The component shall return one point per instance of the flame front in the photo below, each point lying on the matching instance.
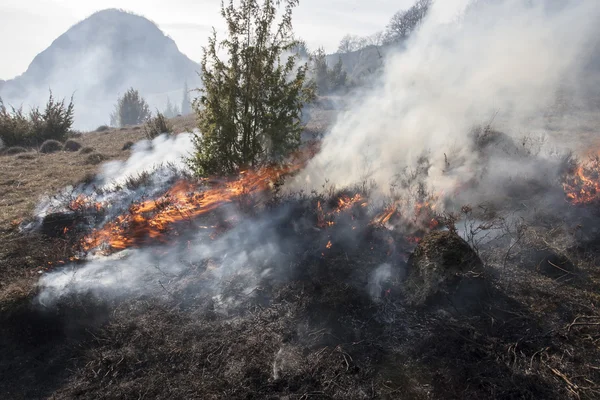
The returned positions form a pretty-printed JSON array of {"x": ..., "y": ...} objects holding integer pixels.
[
  {"x": 583, "y": 186},
  {"x": 150, "y": 219}
]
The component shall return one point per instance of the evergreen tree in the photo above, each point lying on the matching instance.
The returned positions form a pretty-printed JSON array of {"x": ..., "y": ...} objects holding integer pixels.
[
  {"x": 250, "y": 107},
  {"x": 186, "y": 104},
  {"x": 338, "y": 77},
  {"x": 131, "y": 109},
  {"x": 171, "y": 110},
  {"x": 321, "y": 72}
]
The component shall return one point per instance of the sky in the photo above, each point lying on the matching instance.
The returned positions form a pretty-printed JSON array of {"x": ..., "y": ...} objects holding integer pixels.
[{"x": 29, "y": 26}]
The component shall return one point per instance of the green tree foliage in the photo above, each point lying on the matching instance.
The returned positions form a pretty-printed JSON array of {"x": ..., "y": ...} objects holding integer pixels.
[
  {"x": 250, "y": 107},
  {"x": 186, "y": 104},
  {"x": 328, "y": 80},
  {"x": 404, "y": 22},
  {"x": 131, "y": 109},
  {"x": 171, "y": 110},
  {"x": 157, "y": 125},
  {"x": 53, "y": 123}
]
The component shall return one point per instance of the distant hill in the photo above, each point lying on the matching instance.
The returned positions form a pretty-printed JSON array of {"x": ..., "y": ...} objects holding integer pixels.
[{"x": 99, "y": 58}]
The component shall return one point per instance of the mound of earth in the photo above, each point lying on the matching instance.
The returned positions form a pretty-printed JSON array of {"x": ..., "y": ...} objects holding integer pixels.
[{"x": 444, "y": 271}]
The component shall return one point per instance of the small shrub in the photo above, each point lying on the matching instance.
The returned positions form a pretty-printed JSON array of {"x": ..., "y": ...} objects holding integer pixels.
[
  {"x": 20, "y": 129},
  {"x": 75, "y": 134},
  {"x": 26, "y": 156},
  {"x": 102, "y": 128},
  {"x": 127, "y": 146},
  {"x": 87, "y": 150},
  {"x": 72, "y": 145},
  {"x": 157, "y": 126},
  {"x": 15, "y": 150},
  {"x": 51, "y": 146},
  {"x": 95, "y": 158}
]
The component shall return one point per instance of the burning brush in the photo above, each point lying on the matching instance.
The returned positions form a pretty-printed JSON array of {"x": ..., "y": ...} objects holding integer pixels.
[{"x": 583, "y": 185}]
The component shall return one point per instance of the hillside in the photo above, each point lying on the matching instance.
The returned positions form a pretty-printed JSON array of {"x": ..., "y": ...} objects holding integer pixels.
[{"x": 99, "y": 58}]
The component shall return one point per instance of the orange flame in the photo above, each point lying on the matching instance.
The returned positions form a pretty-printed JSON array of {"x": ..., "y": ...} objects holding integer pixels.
[
  {"x": 151, "y": 218},
  {"x": 344, "y": 203},
  {"x": 583, "y": 186}
]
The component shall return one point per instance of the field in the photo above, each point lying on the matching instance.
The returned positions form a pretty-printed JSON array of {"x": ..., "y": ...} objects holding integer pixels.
[{"x": 531, "y": 332}]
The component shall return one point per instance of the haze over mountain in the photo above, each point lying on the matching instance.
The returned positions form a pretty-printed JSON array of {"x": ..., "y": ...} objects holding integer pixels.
[{"x": 99, "y": 58}]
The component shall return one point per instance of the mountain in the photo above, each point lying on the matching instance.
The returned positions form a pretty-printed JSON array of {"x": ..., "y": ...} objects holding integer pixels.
[{"x": 99, "y": 58}]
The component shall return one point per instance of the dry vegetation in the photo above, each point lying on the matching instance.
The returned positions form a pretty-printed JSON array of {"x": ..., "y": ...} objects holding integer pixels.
[{"x": 316, "y": 336}]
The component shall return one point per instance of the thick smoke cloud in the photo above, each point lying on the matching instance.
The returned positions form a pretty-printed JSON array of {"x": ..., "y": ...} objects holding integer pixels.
[{"x": 504, "y": 61}]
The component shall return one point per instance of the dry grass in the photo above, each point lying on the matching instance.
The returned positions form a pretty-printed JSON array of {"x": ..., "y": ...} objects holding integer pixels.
[{"x": 25, "y": 180}]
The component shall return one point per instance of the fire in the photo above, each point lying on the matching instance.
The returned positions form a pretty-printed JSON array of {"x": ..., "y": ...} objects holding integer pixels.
[
  {"x": 344, "y": 203},
  {"x": 329, "y": 245},
  {"x": 82, "y": 202},
  {"x": 583, "y": 186},
  {"x": 150, "y": 219}
]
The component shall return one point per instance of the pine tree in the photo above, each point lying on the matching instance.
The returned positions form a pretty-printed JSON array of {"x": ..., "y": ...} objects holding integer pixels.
[
  {"x": 186, "y": 104},
  {"x": 250, "y": 107},
  {"x": 131, "y": 109},
  {"x": 338, "y": 77},
  {"x": 171, "y": 110}
]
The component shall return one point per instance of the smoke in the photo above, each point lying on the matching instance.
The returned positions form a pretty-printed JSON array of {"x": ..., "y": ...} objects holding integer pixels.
[
  {"x": 500, "y": 61},
  {"x": 148, "y": 155},
  {"x": 245, "y": 256},
  {"x": 377, "y": 278},
  {"x": 153, "y": 166}
]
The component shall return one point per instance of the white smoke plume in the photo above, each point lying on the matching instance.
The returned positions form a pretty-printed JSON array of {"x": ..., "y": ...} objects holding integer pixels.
[
  {"x": 507, "y": 59},
  {"x": 148, "y": 155},
  {"x": 162, "y": 160}
]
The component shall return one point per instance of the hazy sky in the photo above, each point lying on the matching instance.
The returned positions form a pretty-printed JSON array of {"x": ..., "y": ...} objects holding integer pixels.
[{"x": 29, "y": 26}]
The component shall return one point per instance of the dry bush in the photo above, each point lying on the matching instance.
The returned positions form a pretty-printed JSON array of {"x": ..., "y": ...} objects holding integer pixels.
[
  {"x": 127, "y": 146},
  {"x": 87, "y": 150},
  {"x": 14, "y": 150},
  {"x": 72, "y": 145},
  {"x": 103, "y": 128},
  {"x": 27, "y": 156},
  {"x": 157, "y": 126},
  {"x": 95, "y": 158},
  {"x": 51, "y": 146}
]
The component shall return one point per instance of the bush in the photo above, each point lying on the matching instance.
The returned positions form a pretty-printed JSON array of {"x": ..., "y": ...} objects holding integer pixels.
[
  {"x": 95, "y": 158},
  {"x": 14, "y": 150},
  {"x": 127, "y": 146},
  {"x": 87, "y": 150},
  {"x": 72, "y": 145},
  {"x": 26, "y": 156},
  {"x": 157, "y": 126},
  {"x": 19, "y": 129},
  {"x": 102, "y": 128},
  {"x": 51, "y": 146},
  {"x": 251, "y": 102},
  {"x": 15, "y": 127},
  {"x": 131, "y": 109}
]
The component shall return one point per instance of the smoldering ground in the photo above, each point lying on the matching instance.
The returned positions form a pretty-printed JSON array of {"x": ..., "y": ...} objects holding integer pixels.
[
  {"x": 290, "y": 293},
  {"x": 502, "y": 62}
]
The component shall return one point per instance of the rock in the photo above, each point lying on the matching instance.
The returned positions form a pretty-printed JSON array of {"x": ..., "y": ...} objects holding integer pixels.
[{"x": 443, "y": 271}]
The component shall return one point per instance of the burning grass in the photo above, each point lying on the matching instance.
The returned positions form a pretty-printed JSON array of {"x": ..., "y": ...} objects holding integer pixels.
[{"x": 230, "y": 288}]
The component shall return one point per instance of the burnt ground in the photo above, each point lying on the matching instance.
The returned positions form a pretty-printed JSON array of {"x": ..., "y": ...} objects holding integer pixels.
[{"x": 317, "y": 334}]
